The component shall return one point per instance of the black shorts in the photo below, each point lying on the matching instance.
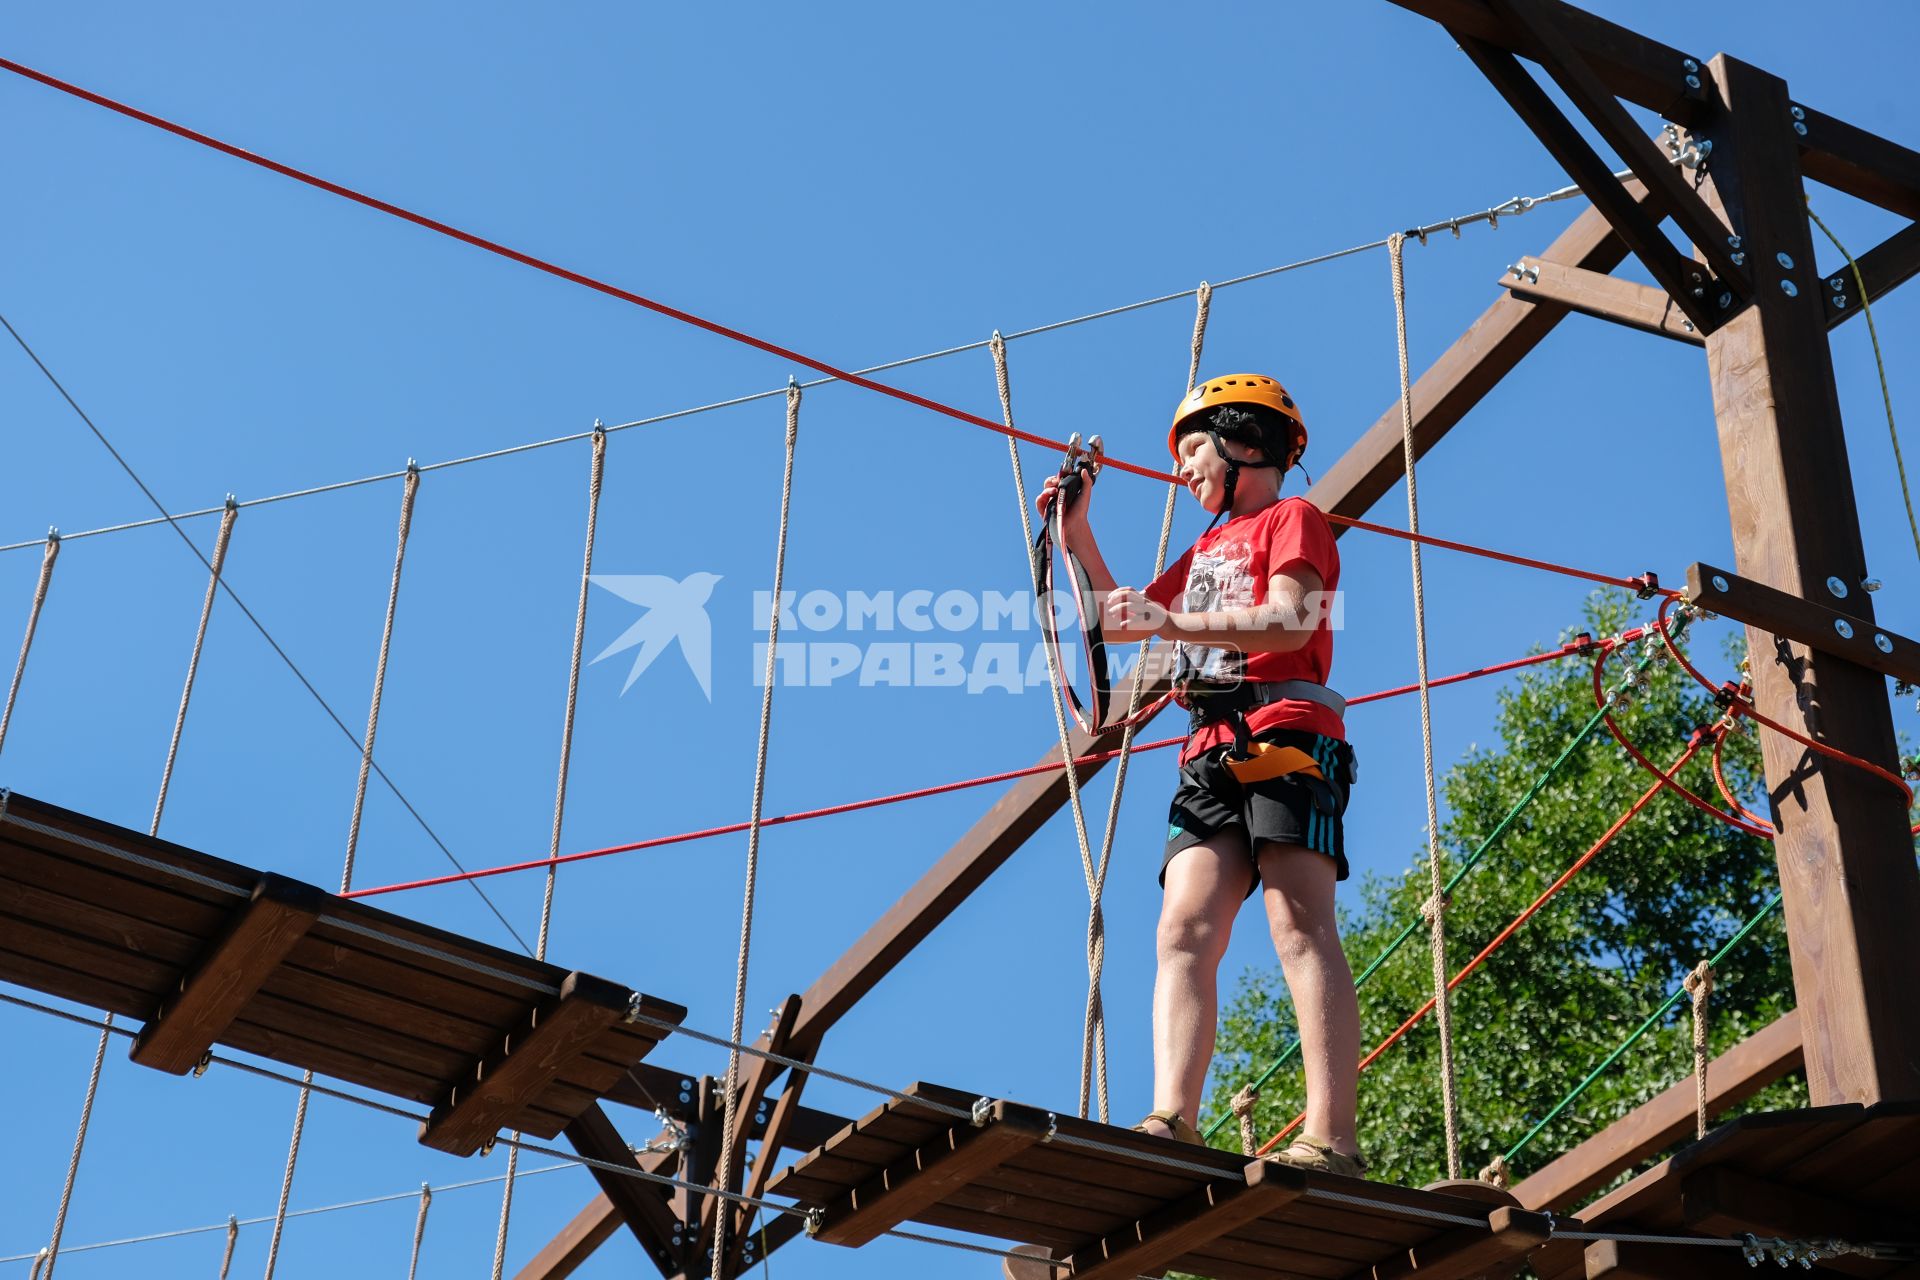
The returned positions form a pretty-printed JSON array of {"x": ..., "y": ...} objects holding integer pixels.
[{"x": 1294, "y": 809}]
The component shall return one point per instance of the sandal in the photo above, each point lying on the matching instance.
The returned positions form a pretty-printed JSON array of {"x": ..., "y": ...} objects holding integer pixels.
[
  {"x": 1316, "y": 1155},
  {"x": 1176, "y": 1125}
]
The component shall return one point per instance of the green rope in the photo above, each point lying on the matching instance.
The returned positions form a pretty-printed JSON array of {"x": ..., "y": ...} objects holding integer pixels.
[
  {"x": 1866, "y": 305},
  {"x": 1467, "y": 864},
  {"x": 1679, "y": 993}
]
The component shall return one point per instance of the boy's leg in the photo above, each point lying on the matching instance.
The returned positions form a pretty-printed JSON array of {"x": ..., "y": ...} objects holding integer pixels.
[
  {"x": 1205, "y": 885},
  {"x": 1298, "y": 886}
]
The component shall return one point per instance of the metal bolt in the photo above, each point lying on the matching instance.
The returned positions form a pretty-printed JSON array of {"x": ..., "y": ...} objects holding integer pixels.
[
  {"x": 1798, "y": 114},
  {"x": 1844, "y": 627},
  {"x": 685, "y": 1083},
  {"x": 1789, "y": 288},
  {"x": 1881, "y": 642},
  {"x": 1533, "y": 275},
  {"x": 1693, "y": 82},
  {"x": 1726, "y": 300},
  {"x": 1694, "y": 276},
  {"x": 1733, "y": 242},
  {"x": 1690, "y": 64},
  {"x": 1840, "y": 301},
  {"x": 1800, "y": 128},
  {"x": 1720, "y": 583},
  {"x": 1838, "y": 588},
  {"x": 685, "y": 1097},
  {"x": 1869, "y": 584},
  {"x": 1784, "y": 259},
  {"x": 1688, "y": 325},
  {"x": 1837, "y": 283},
  {"x": 1699, "y": 291},
  {"x": 1739, "y": 259}
]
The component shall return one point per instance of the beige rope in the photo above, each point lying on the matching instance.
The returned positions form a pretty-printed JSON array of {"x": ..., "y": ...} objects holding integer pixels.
[
  {"x": 728, "y": 1133},
  {"x": 596, "y": 473},
  {"x": 39, "y": 1261},
  {"x": 419, "y": 1230},
  {"x": 1094, "y": 1040},
  {"x": 1699, "y": 986},
  {"x": 409, "y": 491},
  {"x": 153, "y": 829},
  {"x": 1497, "y": 1173},
  {"x": 1243, "y": 1104},
  {"x": 1443, "y": 1018},
  {"x": 51, "y": 554},
  {"x": 233, "y": 1238}
]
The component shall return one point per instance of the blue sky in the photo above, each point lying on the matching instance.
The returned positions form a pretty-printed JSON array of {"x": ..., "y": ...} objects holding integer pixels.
[{"x": 860, "y": 182}]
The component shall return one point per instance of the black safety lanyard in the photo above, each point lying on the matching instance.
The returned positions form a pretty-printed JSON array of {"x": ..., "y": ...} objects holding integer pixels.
[{"x": 1073, "y": 481}]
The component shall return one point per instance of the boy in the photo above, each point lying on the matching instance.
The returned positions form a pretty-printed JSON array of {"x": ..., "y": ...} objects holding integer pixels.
[{"x": 1265, "y": 771}]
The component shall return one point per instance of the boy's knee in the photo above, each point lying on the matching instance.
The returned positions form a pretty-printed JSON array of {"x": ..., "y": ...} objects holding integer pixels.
[{"x": 1190, "y": 935}]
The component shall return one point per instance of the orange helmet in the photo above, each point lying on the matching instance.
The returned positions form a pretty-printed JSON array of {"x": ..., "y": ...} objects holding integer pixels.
[{"x": 1241, "y": 388}]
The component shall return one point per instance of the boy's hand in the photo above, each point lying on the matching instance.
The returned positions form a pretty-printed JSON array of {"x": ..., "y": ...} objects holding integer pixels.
[
  {"x": 1077, "y": 529},
  {"x": 1130, "y": 612}
]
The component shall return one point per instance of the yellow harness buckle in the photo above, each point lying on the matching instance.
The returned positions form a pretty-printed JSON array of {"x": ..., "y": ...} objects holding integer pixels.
[{"x": 1271, "y": 760}]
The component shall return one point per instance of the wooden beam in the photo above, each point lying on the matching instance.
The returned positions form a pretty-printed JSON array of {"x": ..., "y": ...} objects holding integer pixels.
[
  {"x": 950, "y": 1162},
  {"x": 1605, "y": 297},
  {"x": 1668, "y": 190},
  {"x": 1839, "y": 632},
  {"x": 1885, "y": 267},
  {"x": 486, "y": 1098},
  {"x": 755, "y": 1077},
  {"x": 1149, "y": 1246},
  {"x": 569, "y": 1250},
  {"x": 640, "y": 1204},
  {"x": 1651, "y": 74},
  {"x": 1736, "y": 1075},
  {"x": 1685, "y": 281},
  {"x": 212, "y": 993},
  {"x": 1510, "y": 1234},
  {"x": 1622, "y": 1260},
  {"x": 1846, "y": 859},
  {"x": 779, "y": 1125}
]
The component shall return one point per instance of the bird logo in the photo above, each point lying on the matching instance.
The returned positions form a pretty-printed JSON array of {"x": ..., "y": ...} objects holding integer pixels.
[{"x": 674, "y": 611}]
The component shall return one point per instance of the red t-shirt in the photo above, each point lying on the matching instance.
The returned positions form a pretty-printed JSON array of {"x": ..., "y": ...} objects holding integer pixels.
[{"x": 1228, "y": 568}]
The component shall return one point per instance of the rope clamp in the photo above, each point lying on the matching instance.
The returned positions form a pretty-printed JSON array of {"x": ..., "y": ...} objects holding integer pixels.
[
  {"x": 1053, "y": 1127},
  {"x": 816, "y": 1219},
  {"x": 200, "y": 1067},
  {"x": 486, "y": 1148},
  {"x": 982, "y": 1112},
  {"x": 1647, "y": 585}
]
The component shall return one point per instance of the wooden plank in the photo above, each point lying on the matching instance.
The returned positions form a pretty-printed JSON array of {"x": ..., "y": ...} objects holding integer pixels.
[
  {"x": 902, "y": 1190},
  {"x": 1846, "y": 859},
  {"x": 1885, "y": 267},
  {"x": 1834, "y": 631},
  {"x": 183, "y": 1028},
  {"x": 476, "y": 1107},
  {"x": 1620, "y": 1260},
  {"x": 1669, "y": 190},
  {"x": 1653, "y": 1126},
  {"x": 1510, "y": 1234},
  {"x": 1685, "y": 281},
  {"x": 1720, "y": 1201},
  {"x": 1602, "y": 296},
  {"x": 1206, "y": 1214},
  {"x": 640, "y": 1204},
  {"x": 105, "y": 883},
  {"x": 1860, "y": 163}
]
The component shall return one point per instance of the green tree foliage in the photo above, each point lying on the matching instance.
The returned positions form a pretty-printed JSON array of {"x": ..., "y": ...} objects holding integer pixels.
[{"x": 1579, "y": 976}]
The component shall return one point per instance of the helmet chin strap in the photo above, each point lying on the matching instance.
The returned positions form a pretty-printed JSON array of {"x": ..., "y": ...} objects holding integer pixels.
[{"x": 1233, "y": 476}]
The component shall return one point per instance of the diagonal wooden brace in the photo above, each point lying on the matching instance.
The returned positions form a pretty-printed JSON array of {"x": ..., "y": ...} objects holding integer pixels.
[
  {"x": 1844, "y": 635},
  {"x": 1602, "y": 296},
  {"x": 212, "y": 994},
  {"x": 955, "y": 1159},
  {"x": 1207, "y": 1214},
  {"x": 1470, "y": 1251},
  {"x": 640, "y": 1204},
  {"x": 488, "y": 1096}
]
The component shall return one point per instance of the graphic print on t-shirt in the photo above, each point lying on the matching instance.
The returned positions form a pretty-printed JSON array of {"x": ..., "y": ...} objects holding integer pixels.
[{"x": 1217, "y": 579}]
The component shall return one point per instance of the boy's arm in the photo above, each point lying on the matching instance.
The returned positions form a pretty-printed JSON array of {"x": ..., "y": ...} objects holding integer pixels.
[{"x": 1295, "y": 608}]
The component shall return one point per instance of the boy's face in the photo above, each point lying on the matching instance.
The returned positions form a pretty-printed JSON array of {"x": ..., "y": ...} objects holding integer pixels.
[{"x": 1204, "y": 471}]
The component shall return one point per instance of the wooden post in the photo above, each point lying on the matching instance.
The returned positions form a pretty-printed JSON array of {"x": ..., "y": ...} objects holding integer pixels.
[{"x": 1846, "y": 860}]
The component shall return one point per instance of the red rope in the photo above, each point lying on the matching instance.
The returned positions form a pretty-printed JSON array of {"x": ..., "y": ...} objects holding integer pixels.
[
  {"x": 1513, "y": 927},
  {"x": 1744, "y": 706},
  {"x": 714, "y": 326},
  {"x": 1581, "y": 644}
]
